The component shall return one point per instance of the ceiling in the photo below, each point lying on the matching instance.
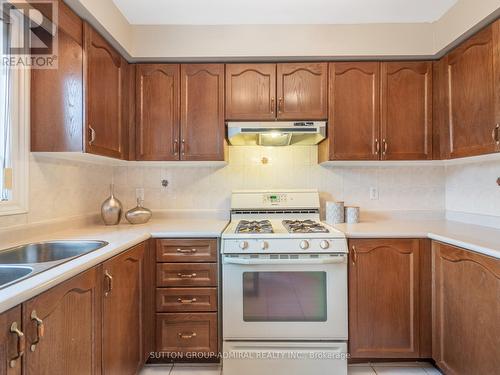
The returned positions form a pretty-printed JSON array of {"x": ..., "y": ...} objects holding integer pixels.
[{"x": 255, "y": 12}]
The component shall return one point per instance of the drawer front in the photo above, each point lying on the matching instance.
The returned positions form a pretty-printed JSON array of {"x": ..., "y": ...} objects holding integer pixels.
[
  {"x": 186, "y": 299},
  {"x": 186, "y": 250},
  {"x": 180, "y": 332},
  {"x": 186, "y": 274}
]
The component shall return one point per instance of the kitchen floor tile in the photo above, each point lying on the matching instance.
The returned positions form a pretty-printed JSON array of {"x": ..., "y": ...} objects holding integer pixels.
[
  {"x": 360, "y": 370},
  {"x": 395, "y": 370},
  {"x": 195, "y": 370},
  {"x": 156, "y": 370},
  {"x": 432, "y": 371}
]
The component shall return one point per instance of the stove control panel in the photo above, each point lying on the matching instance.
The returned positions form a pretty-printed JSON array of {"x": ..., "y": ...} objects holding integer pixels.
[
  {"x": 284, "y": 245},
  {"x": 275, "y": 198}
]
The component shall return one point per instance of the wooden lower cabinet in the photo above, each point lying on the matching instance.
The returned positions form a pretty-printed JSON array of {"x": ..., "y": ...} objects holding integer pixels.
[
  {"x": 187, "y": 332},
  {"x": 63, "y": 328},
  {"x": 389, "y": 298},
  {"x": 12, "y": 342},
  {"x": 466, "y": 311},
  {"x": 122, "y": 312}
]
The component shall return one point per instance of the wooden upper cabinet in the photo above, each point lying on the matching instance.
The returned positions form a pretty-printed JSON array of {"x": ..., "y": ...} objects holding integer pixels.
[
  {"x": 157, "y": 111},
  {"x": 57, "y": 94},
  {"x": 472, "y": 92},
  {"x": 302, "y": 91},
  {"x": 202, "y": 112},
  {"x": 406, "y": 110},
  {"x": 250, "y": 91},
  {"x": 466, "y": 307},
  {"x": 384, "y": 318},
  {"x": 104, "y": 96},
  {"x": 63, "y": 328},
  {"x": 12, "y": 342},
  {"x": 122, "y": 312},
  {"x": 353, "y": 120}
]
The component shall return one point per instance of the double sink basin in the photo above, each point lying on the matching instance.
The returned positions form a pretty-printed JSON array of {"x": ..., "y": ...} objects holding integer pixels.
[{"x": 21, "y": 262}]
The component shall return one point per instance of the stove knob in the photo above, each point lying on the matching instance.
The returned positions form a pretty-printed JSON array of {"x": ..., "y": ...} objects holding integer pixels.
[
  {"x": 304, "y": 244},
  {"x": 264, "y": 245},
  {"x": 324, "y": 244},
  {"x": 243, "y": 245}
]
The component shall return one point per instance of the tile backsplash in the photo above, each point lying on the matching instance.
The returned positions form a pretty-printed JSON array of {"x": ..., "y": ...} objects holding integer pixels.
[
  {"x": 61, "y": 189},
  {"x": 399, "y": 188}
]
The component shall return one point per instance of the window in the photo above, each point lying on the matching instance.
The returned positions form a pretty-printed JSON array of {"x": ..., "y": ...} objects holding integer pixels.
[{"x": 14, "y": 122}]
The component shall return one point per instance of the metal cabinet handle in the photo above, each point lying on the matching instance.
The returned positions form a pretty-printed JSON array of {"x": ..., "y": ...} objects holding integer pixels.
[
  {"x": 109, "y": 278},
  {"x": 176, "y": 147},
  {"x": 186, "y": 276},
  {"x": 272, "y": 105},
  {"x": 21, "y": 344},
  {"x": 183, "y": 147},
  {"x": 354, "y": 255},
  {"x": 186, "y": 336},
  {"x": 192, "y": 300},
  {"x": 377, "y": 147},
  {"x": 40, "y": 330},
  {"x": 495, "y": 134},
  {"x": 92, "y": 135},
  {"x": 280, "y": 104},
  {"x": 187, "y": 251},
  {"x": 385, "y": 147}
]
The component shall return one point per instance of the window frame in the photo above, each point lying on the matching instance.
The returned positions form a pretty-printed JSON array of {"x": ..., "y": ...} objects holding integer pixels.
[{"x": 20, "y": 138}]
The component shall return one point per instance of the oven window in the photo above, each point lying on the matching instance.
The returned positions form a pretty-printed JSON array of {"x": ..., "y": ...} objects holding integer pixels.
[{"x": 284, "y": 296}]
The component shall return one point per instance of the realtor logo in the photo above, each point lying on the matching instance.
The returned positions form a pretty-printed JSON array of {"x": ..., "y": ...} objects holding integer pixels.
[{"x": 29, "y": 34}]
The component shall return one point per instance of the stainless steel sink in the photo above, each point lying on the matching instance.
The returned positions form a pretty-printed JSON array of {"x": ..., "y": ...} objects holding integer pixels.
[
  {"x": 52, "y": 251},
  {"x": 11, "y": 274},
  {"x": 21, "y": 262}
]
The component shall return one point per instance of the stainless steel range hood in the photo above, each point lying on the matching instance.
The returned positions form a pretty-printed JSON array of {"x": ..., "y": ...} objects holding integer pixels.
[{"x": 276, "y": 133}]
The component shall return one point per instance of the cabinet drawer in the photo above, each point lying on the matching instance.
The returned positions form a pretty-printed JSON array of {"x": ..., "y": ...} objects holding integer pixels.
[
  {"x": 186, "y": 299},
  {"x": 186, "y": 274},
  {"x": 186, "y": 250},
  {"x": 178, "y": 332}
]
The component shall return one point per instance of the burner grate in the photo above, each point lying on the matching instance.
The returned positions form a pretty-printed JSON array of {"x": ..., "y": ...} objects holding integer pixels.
[
  {"x": 254, "y": 226},
  {"x": 304, "y": 226}
]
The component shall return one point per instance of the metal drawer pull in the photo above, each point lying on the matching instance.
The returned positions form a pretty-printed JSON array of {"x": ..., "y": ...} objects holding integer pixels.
[
  {"x": 280, "y": 105},
  {"x": 192, "y": 300},
  {"x": 385, "y": 147},
  {"x": 377, "y": 147},
  {"x": 186, "y": 276},
  {"x": 108, "y": 277},
  {"x": 183, "y": 147},
  {"x": 176, "y": 147},
  {"x": 40, "y": 330},
  {"x": 495, "y": 134},
  {"x": 187, "y": 251},
  {"x": 272, "y": 105},
  {"x": 186, "y": 336},
  {"x": 21, "y": 344}
]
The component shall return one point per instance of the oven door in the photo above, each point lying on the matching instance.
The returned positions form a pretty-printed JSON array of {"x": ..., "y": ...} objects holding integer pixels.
[{"x": 297, "y": 297}]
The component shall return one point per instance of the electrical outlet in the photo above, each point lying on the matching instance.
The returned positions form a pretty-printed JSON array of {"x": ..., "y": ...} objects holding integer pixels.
[{"x": 373, "y": 193}]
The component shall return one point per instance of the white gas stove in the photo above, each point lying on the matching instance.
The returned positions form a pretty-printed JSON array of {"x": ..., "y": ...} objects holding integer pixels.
[{"x": 284, "y": 286}]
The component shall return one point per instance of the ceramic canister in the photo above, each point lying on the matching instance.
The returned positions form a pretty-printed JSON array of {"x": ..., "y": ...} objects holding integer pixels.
[
  {"x": 352, "y": 215},
  {"x": 334, "y": 212}
]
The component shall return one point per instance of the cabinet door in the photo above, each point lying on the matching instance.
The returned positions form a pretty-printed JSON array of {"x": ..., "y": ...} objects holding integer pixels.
[
  {"x": 384, "y": 298},
  {"x": 57, "y": 94},
  {"x": 353, "y": 120},
  {"x": 302, "y": 91},
  {"x": 406, "y": 110},
  {"x": 12, "y": 342},
  {"x": 466, "y": 308},
  {"x": 250, "y": 91},
  {"x": 104, "y": 69},
  {"x": 63, "y": 328},
  {"x": 122, "y": 312},
  {"x": 157, "y": 101},
  {"x": 472, "y": 85},
  {"x": 202, "y": 112}
]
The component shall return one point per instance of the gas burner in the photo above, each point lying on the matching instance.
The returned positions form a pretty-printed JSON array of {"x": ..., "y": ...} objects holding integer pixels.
[
  {"x": 304, "y": 226},
  {"x": 254, "y": 226}
]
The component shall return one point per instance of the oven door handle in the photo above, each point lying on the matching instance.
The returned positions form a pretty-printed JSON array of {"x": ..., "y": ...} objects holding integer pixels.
[{"x": 256, "y": 261}]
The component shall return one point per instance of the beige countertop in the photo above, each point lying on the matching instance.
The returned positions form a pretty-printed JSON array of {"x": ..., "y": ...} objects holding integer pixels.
[
  {"x": 476, "y": 238},
  {"x": 119, "y": 237}
]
